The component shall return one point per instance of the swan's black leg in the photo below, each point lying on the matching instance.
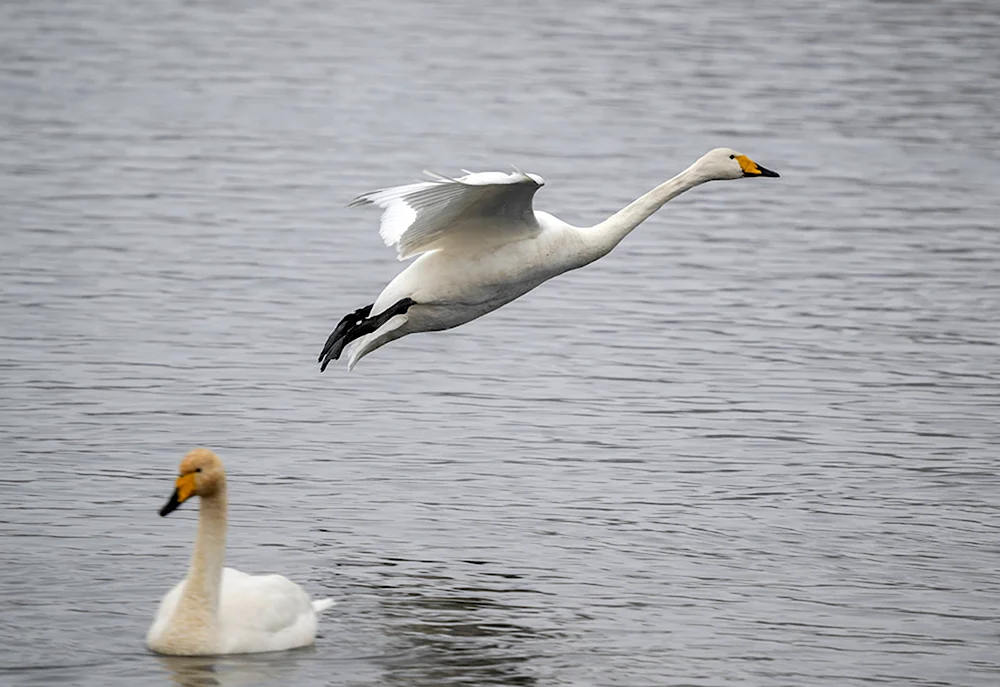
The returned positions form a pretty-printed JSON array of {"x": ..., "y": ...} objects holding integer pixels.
[{"x": 356, "y": 325}]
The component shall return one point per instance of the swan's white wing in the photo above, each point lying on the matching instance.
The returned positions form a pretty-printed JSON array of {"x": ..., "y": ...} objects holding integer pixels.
[
  {"x": 263, "y": 613},
  {"x": 417, "y": 216}
]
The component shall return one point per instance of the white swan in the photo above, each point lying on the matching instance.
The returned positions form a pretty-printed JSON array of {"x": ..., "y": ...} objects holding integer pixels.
[
  {"x": 217, "y": 610},
  {"x": 481, "y": 245}
]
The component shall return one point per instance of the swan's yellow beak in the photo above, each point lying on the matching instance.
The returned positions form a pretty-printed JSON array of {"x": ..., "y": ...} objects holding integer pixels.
[
  {"x": 752, "y": 169},
  {"x": 184, "y": 490}
]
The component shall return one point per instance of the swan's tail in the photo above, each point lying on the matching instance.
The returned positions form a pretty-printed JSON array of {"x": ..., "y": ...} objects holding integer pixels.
[{"x": 320, "y": 605}]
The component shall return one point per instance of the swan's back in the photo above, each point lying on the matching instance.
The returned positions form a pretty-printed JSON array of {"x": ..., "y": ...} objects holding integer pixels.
[{"x": 263, "y": 613}]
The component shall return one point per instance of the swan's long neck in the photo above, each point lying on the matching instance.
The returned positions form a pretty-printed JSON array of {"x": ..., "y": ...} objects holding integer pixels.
[
  {"x": 609, "y": 233},
  {"x": 201, "y": 593}
]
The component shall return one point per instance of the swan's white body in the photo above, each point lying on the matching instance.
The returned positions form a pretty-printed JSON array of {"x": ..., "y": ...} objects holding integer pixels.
[
  {"x": 481, "y": 244},
  {"x": 217, "y": 610},
  {"x": 492, "y": 274},
  {"x": 256, "y": 613}
]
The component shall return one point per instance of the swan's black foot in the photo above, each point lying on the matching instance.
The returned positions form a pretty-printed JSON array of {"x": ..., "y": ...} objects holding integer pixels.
[
  {"x": 356, "y": 325},
  {"x": 337, "y": 340}
]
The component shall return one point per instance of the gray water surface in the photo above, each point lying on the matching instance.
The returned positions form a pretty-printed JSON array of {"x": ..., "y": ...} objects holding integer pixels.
[{"x": 755, "y": 445}]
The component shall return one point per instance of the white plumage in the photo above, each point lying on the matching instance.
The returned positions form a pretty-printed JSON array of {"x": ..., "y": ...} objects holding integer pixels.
[
  {"x": 216, "y": 610},
  {"x": 256, "y": 613},
  {"x": 479, "y": 244},
  {"x": 417, "y": 216}
]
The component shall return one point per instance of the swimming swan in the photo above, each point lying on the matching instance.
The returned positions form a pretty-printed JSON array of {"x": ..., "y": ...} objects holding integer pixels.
[
  {"x": 217, "y": 610},
  {"x": 481, "y": 245}
]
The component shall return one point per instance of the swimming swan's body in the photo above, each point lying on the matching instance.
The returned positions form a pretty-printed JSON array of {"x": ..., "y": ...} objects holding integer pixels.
[
  {"x": 481, "y": 245},
  {"x": 217, "y": 610}
]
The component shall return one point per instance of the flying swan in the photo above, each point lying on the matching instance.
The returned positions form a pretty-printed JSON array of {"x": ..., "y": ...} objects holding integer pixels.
[
  {"x": 216, "y": 610},
  {"x": 481, "y": 245}
]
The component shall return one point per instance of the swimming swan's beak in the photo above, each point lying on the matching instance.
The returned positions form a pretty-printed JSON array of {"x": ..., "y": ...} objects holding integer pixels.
[
  {"x": 752, "y": 169},
  {"x": 184, "y": 491}
]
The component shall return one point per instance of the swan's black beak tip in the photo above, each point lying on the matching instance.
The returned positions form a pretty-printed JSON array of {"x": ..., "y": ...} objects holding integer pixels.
[
  {"x": 171, "y": 505},
  {"x": 764, "y": 172}
]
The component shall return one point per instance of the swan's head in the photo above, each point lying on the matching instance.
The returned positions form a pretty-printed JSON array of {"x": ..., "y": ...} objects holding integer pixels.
[
  {"x": 201, "y": 474},
  {"x": 725, "y": 163}
]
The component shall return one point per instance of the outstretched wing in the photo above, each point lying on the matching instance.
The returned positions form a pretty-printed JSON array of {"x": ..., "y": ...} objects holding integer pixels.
[{"x": 417, "y": 216}]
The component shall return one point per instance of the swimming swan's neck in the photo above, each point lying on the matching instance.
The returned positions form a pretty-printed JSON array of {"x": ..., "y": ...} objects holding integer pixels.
[
  {"x": 610, "y": 232},
  {"x": 200, "y": 602}
]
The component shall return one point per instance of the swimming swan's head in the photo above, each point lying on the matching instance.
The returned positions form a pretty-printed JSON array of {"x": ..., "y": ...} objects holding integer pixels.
[
  {"x": 725, "y": 163},
  {"x": 201, "y": 474}
]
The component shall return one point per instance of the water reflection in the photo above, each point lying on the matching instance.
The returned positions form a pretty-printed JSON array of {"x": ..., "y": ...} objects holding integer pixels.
[{"x": 235, "y": 671}]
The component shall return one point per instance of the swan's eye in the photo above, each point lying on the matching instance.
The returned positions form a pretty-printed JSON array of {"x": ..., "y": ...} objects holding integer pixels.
[
  {"x": 197, "y": 469},
  {"x": 732, "y": 157}
]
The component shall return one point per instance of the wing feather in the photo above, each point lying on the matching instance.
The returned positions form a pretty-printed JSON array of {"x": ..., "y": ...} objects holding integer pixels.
[{"x": 417, "y": 216}]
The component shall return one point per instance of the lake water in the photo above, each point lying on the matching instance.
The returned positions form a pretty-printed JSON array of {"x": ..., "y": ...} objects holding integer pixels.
[{"x": 755, "y": 445}]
